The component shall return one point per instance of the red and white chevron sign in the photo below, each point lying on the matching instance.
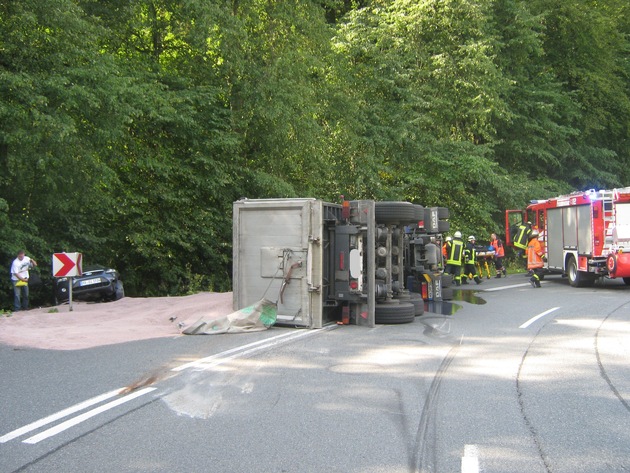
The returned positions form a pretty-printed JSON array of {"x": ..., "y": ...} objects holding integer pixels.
[{"x": 67, "y": 264}]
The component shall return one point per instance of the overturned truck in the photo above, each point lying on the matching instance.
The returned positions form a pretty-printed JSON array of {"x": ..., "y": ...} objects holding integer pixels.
[{"x": 360, "y": 262}]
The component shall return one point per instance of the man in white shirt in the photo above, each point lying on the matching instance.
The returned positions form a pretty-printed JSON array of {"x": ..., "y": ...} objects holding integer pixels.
[{"x": 19, "y": 278}]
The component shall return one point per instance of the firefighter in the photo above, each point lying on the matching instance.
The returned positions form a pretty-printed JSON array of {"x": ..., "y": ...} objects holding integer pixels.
[
  {"x": 535, "y": 258},
  {"x": 499, "y": 254},
  {"x": 470, "y": 257},
  {"x": 446, "y": 247},
  {"x": 520, "y": 237},
  {"x": 454, "y": 258}
]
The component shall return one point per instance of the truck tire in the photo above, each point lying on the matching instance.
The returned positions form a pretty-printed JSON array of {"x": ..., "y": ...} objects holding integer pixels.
[
  {"x": 443, "y": 212},
  {"x": 447, "y": 293},
  {"x": 418, "y": 303},
  {"x": 418, "y": 213},
  {"x": 394, "y": 212},
  {"x": 447, "y": 280},
  {"x": 577, "y": 278},
  {"x": 401, "y": 313},
  {"x": 626, "y": 281}
]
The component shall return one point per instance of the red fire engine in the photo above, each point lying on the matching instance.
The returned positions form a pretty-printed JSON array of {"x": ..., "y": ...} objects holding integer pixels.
[{"x": 586, "y": 235}]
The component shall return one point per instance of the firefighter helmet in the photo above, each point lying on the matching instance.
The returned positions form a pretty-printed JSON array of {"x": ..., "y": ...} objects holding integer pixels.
[
  {"x": 449, "y": 238},
  {"x": 457, "y": 234},
  {"x": 534, "y": 233},
  {"x": 471, "y": 238}
]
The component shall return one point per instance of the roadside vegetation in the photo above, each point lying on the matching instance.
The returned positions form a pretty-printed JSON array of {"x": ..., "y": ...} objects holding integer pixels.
[{"x": 128, "y": 129}]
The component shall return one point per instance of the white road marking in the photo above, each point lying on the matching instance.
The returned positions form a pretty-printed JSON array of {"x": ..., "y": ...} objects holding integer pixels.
[
  {"x": 59, "y": 415},
  {"x": 534, "y": 319},
  {"x": 470, "y": 460},
  {"x": 202, "y": 363},
  {"x": 223, "y": 357},
  {"x": 85, "y": 416},
  {"x": 503, "y": 288}
]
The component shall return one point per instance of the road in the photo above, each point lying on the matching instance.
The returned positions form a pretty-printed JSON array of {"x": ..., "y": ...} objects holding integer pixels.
[{"x": 516, "y": 380}]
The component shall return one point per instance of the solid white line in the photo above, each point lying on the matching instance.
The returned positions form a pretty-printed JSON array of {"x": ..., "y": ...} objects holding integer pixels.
[
  {"x": 534, "y": 319},
  {"x": 470, "y": 460},
  {"x": 59, "y": 415},
  {"x": 87, "y": 415},
  {"x": 502, "y": 288},
  {"x": 220, "y": 358},
  {"x": 232, "y": 350},
  {"x": 209, "y": 361}
]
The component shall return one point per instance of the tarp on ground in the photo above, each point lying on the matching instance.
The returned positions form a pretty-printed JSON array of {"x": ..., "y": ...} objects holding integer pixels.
[{"x": 254, "y": 318}]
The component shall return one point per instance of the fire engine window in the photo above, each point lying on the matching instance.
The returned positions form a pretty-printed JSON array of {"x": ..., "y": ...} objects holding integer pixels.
[{"x": 541, "y": 219}]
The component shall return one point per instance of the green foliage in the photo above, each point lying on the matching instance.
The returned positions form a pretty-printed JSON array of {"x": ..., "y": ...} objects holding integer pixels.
[{"x": 127, "y": 129}]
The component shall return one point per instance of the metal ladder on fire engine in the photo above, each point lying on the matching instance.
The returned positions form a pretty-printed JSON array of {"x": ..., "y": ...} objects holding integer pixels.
[{"x": 608, "y": 209}]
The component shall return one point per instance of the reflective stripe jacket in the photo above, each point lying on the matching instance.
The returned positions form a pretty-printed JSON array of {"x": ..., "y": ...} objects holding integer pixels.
[
  {"x": 470, "y": 254},
  {"x": 522, "y": 235},
  {"x": 456, "y": 252}
]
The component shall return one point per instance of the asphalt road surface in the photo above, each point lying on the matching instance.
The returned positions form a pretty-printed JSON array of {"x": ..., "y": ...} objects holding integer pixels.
[{"x": 509, "y": 379}]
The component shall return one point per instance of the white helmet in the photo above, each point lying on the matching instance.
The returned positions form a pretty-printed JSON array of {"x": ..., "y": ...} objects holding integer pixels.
[
  {"x": 534, "y": 234},
  {"x": 471, "y": 238},
  {"x": 457, "y": 234},
  {"x": 449, "y": 238}
]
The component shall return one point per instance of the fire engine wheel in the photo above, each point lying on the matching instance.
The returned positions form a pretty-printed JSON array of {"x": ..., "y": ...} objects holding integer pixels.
[
  {"x": 611, "y": 265},
  {"x": 394, "y": 212},
  {"x": 401, "y": 313},
  {"x": 578, "y": 278}
]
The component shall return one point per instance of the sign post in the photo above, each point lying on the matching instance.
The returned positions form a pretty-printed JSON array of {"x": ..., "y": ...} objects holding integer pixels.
[{"x": 67, "y": 265}]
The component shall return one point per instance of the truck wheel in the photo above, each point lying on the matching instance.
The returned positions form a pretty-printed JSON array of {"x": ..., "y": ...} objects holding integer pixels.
[
  {"x": 401, "y": 313},
  {"x": 578, "y": 278},
  {"x": 418, "y": 303},
  {"x": 394, "y": 212},
  {"x": 447, "y": 293},
  {"x": 447, "y": 280},
  {"x": 626, "y": 281},
  {"x": 418, "y": 213}
]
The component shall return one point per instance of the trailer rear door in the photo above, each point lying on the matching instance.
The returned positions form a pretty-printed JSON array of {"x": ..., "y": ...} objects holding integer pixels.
[{"x": 277, "y": 255}]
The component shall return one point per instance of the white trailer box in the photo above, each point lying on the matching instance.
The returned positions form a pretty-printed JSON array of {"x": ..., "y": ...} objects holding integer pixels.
[{"x": 279, "y": 255}]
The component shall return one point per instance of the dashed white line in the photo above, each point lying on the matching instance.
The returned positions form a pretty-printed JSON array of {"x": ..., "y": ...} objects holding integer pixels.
[
  {"x": 534, "y": 319},
  {"x": 470, "y": 460}
]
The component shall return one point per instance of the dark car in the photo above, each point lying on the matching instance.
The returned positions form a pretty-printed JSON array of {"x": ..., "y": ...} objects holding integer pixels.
[{"x": 97, "y": 283}]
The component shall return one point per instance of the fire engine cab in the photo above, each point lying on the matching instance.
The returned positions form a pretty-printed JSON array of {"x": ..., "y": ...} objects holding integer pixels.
[{"x": 586, "y": 235}]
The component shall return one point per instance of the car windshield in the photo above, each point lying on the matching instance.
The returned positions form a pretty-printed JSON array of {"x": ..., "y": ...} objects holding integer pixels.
[{"x": 93, "y": 267}]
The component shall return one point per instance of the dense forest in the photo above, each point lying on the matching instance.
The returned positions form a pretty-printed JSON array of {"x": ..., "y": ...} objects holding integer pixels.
[{"x": 128, "y": 128}]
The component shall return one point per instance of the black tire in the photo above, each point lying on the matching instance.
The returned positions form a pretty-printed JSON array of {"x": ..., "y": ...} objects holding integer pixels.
[
  {"x": 418, "y": 214},
  {"x": 447, "y": 280},
  {"x": 394, "y": 212},
  {"x": 626, "y": 281},
  {"x": 120, "y": 291},
  {"x": 447, "y": 293},
  {"x": 577, "y": 278},
  {"x": 443, "y": 226},
  {"x": 443, "y": 213},
  {"x": 418, "y": 303},
  {"x": 401, "y": 313}
]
